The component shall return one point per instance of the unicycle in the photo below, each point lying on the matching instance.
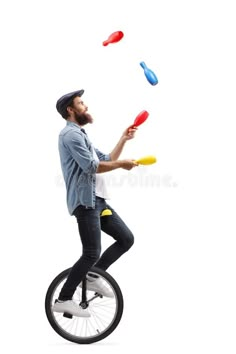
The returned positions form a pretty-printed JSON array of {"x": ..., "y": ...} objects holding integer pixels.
[{"x": 105, "y": 312}]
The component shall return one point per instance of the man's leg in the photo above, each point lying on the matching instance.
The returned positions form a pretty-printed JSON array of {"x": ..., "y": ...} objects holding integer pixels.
[
  {"x": 90, "y": 233},
  {"x": 114, "y": 226}
]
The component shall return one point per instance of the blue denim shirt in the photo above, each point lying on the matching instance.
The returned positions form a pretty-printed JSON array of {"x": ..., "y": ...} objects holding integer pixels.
[{"x": 78, "y": 166}]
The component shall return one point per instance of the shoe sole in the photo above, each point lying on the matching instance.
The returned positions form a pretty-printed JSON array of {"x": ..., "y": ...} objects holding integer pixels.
[{"x": 69, "y": 314}]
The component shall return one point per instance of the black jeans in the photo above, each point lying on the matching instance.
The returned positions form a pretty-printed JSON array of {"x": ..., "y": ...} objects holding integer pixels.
[{"x": 90, "y": 224}]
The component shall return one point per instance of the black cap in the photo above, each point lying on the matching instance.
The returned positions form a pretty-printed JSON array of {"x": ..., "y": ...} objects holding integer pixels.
[{"x": 66, "y": 100}]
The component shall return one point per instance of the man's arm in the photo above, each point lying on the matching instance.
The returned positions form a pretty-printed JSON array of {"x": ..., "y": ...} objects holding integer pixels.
[
  {"x": 117, "y": 150},
  {"x": 106, "y": 166},
  {"x": 127, "y": 135},
  {"x": 80, "y": 152}
]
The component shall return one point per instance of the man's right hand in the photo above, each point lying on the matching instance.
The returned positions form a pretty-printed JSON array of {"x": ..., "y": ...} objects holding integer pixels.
[{"x": 128, "y": 164}]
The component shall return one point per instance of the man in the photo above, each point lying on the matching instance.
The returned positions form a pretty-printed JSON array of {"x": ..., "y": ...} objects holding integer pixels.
[{"x": 82, "y": 167}]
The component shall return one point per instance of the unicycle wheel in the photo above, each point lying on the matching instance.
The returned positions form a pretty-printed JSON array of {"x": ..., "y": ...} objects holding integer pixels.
[{"x": 105, "y": 313}]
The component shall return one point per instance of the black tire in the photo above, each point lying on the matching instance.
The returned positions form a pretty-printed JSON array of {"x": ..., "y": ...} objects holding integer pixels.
[{"x": 118, "y": 309}]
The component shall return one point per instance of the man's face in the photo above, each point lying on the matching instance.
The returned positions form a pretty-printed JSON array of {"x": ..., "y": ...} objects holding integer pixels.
[{"x": 80, "y": 112}]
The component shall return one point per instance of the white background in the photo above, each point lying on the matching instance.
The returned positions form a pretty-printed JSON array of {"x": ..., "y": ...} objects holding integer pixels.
[{"x": 181, "y": 210}]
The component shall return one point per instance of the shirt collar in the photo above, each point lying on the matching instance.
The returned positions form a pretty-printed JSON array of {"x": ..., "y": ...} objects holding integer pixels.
[
  {"x": 73, "y": 124},
  {"x": 69, "y": 123}
]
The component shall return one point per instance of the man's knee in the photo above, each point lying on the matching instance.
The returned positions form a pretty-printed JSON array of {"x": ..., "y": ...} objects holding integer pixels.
[
  {"x": 129, "y": 241},
  {"x": 92, "y": 255}
]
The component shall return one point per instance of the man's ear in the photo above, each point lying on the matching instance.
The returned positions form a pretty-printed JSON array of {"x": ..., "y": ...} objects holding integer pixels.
[{"x": 69, "y": 109}]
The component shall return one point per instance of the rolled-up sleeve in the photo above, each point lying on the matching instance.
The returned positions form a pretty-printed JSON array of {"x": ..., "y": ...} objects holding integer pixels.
[
  {"x": 80, "y": 152},
  {"x": 102, "y": 156}
]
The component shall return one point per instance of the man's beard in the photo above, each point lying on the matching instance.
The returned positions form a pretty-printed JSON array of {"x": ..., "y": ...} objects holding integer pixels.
[{"x": 83, "y": 118}]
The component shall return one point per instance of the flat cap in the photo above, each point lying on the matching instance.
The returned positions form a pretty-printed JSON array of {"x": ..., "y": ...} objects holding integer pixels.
[{"x": 66, "y": 100}]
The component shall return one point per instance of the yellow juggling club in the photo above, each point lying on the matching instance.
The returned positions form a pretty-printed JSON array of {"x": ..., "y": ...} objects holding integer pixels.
[
  {"x": 146, "y": 160},
  {"x": 106, "y": 212}
]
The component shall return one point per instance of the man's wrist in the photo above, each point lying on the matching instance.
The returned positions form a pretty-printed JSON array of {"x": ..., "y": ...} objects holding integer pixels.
[{"x": 123, "y": 140}]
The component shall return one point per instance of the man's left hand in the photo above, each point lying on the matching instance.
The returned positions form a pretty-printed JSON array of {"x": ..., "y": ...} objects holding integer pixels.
[{"x": 129, "y": 133}]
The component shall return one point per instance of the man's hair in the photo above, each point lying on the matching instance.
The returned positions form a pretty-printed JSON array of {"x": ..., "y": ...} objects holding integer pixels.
[{"x": 65, "y": 113}]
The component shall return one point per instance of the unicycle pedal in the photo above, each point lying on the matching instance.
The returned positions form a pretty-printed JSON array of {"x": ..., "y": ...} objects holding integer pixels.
[
  {"x": 98, "y": 295},
  {"x": 67, "y": 315}
]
